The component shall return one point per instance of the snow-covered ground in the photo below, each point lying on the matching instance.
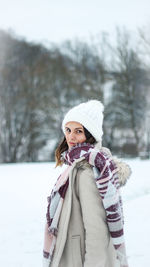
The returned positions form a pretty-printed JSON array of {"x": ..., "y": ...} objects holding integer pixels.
[{"x": 23, "y": 199}]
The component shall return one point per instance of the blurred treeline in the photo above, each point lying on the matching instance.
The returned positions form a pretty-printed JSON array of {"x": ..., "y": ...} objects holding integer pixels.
[{"x": 39, "y": 84}]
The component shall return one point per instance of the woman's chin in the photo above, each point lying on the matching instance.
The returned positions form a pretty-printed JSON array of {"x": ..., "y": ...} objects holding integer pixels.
[{"x": 72, "y": 144}]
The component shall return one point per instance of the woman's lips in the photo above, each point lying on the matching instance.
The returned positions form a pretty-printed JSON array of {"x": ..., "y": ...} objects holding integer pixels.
[{"x": 71, "y": 143}]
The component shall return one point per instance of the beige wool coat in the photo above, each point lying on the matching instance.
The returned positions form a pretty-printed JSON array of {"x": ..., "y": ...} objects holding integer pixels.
[{"x": 83, "y": 238}]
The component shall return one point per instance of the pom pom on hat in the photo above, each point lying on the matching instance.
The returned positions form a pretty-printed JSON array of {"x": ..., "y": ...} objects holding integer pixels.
[{"x": 90, "y": 115}]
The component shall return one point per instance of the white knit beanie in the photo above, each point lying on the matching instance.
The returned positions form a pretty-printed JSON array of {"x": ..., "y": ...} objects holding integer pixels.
[{"x": 90, "y": 115}]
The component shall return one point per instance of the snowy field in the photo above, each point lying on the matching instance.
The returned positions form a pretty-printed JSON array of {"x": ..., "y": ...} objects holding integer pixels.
[{"x": 23, "y": 199}]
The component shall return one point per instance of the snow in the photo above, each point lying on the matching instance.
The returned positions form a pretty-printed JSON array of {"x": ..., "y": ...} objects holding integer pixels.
[{"x": 23, "y": 199}]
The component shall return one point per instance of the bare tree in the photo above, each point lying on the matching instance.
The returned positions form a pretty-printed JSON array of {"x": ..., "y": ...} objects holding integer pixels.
[{"x": 127, "y": 107}]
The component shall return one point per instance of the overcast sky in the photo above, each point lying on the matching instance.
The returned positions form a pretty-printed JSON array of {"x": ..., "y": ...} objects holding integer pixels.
[{"x": 57, "y": 20}]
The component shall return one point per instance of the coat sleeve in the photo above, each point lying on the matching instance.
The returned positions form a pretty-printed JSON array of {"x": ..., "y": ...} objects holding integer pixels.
[{"x": 97, "y": 237}]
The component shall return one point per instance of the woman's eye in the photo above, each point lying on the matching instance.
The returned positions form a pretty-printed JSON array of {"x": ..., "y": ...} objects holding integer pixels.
[
  {"x": 68, "y": 130},
  {"x": 79, "y": 131}
]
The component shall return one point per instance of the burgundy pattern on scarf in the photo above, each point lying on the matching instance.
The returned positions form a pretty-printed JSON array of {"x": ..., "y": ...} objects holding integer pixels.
[{"x": 62, "y": 191}]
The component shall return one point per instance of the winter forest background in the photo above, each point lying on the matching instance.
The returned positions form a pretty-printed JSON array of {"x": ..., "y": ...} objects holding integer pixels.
[
  {"x": 38, "y": 84},
  {"x": 53, "y": 55}
]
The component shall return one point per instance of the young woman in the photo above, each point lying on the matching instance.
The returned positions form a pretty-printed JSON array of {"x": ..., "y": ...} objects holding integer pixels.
[{"x": 84, "y": 215}]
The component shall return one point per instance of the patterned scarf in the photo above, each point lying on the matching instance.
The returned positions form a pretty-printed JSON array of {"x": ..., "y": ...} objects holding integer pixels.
[
  {"x": 55, "y": 203},
  {"x": 107, "y": 182}
]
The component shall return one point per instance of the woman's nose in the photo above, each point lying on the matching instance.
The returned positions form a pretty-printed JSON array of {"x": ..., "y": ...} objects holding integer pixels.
[{"x": 72, "y": 136}]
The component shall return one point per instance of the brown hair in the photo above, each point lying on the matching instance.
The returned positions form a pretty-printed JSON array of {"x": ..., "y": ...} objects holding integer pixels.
[{"x": 63, "y": 146}]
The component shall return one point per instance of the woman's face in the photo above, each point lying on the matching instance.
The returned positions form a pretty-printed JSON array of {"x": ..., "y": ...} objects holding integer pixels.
[{"x": 74, "y": 133}]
